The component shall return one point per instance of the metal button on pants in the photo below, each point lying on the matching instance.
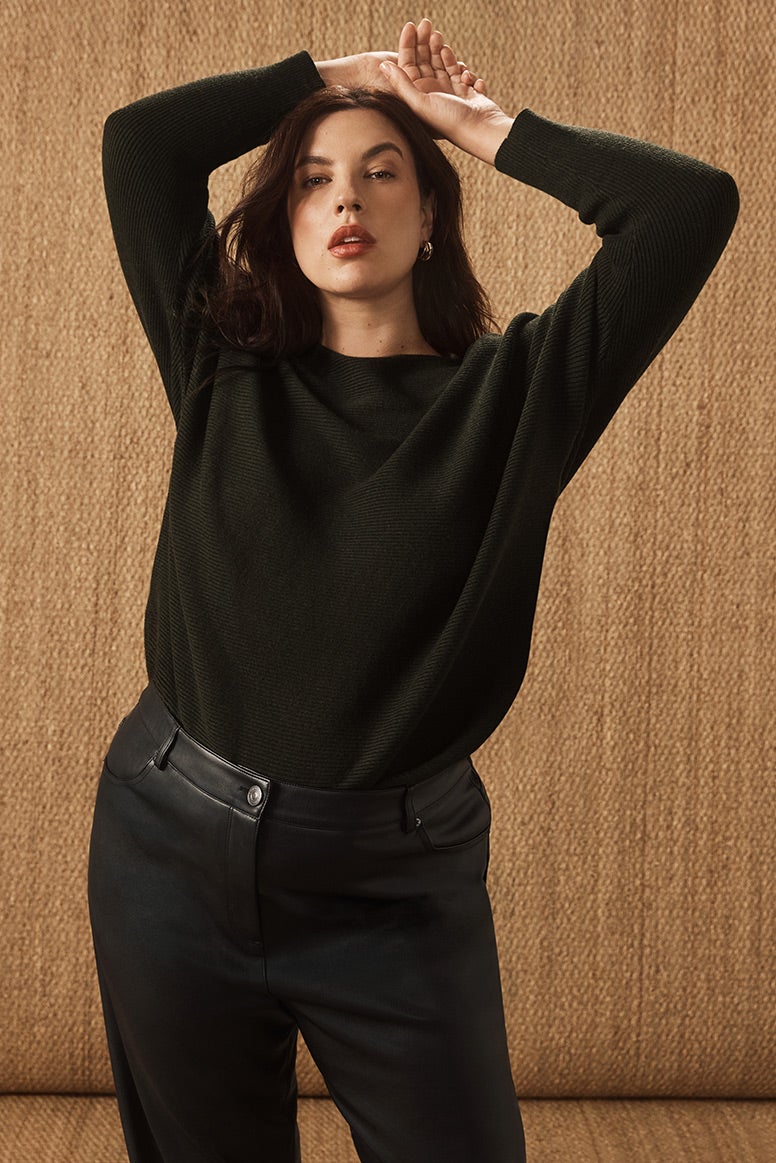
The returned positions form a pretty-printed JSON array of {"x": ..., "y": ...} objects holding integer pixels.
[{"x": 230, "y": 910}]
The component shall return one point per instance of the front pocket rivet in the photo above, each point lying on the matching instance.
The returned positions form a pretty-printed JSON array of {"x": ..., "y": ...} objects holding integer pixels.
[
  {"x": 417, "y": 821},
  {"x": 255, "y": 795}
]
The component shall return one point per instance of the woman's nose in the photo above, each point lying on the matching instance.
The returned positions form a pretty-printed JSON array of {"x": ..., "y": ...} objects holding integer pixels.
[
  {"x": 354, "y": 201},
  {"x": 347, "y": 194}
]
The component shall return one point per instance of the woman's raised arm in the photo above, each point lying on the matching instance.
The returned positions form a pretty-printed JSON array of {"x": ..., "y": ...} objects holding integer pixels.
[
  {"x": 157, "y": 155},
  {"x": 663, "y": 217}
]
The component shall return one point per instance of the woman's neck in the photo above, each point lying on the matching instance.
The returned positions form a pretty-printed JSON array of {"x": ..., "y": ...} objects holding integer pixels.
[
  {"x": 356, "y": 329},
  {"x": 421, "y": 348}
]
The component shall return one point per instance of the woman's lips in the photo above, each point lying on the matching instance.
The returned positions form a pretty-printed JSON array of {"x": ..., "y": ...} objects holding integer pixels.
[
  {"x": 350, "y": 249},
  {"x": 350, "y": 240}
]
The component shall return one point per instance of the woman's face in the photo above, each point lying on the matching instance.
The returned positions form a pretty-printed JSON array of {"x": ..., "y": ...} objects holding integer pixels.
[{"x": 344, "y": 187}]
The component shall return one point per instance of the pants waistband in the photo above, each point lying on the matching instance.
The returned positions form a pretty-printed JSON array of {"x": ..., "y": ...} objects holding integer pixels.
[{"x": 252, "y": 791}]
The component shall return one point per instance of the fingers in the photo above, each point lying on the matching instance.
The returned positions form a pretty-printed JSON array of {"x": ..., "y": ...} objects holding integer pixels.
[
  {"x": 423, "y": 53},
  {"x": 458, "y": 72},
  {"x": 477, "y": 83},
  {"x": 420, "y": 50},
  {"x": 435, "y": 51},
  {"x": 402, "y": 85},
  {"x": 408, "y": 51},
  {"x": 425, "y": 50}
]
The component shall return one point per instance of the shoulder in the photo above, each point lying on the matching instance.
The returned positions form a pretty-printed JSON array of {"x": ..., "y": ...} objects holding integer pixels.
[{"x": 498, "y": 346}]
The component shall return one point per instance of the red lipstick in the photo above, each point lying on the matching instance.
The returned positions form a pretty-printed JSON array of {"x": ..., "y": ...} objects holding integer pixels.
[{"x": 353, "y": 239}]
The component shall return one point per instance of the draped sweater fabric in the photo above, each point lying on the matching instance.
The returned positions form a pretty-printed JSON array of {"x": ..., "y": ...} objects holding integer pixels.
[{"x": 346, "y": 574}]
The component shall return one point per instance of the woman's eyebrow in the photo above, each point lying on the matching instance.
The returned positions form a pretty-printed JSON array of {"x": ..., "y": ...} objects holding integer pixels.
[{"x": 315, "y": 159}]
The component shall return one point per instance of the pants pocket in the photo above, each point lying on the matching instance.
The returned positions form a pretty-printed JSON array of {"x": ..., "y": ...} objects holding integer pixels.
[
  {"x": 459, "y": 819},
  {"x": 130, "y": 755}
]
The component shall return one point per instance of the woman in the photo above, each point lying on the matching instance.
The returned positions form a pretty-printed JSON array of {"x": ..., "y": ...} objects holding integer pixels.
[{"x": 289, "y": 832}]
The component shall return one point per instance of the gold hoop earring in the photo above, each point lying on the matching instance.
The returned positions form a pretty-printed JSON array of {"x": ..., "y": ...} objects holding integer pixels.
[{"x": 425, "y": 252}]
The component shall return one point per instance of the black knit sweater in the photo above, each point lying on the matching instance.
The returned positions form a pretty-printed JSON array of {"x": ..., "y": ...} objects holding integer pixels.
[{"x": 347, "y": 569}]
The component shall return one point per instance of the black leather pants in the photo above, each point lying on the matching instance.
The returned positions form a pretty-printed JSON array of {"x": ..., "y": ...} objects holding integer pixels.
[{"x": 229, "y": 910}]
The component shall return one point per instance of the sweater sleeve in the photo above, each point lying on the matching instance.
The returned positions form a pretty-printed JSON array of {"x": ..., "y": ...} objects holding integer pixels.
[
  {"x": 157, "y": 154},
  {"x": 664, "y": 219}
]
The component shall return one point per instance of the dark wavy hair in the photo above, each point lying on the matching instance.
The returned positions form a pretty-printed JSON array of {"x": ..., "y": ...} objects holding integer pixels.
[{"x": 260, "y": 300}]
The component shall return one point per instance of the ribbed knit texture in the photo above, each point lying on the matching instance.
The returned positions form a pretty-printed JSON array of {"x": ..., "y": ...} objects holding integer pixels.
[{"x": 347, "y": 569}]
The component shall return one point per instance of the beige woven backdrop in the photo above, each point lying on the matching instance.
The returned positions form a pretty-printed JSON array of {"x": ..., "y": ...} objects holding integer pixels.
[{"x": 632, "y": 781}]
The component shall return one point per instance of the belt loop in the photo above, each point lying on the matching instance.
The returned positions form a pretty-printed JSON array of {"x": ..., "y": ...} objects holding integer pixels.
[
  {"x": 160, "y": 756},
  {"x": 411, "y": 821}
]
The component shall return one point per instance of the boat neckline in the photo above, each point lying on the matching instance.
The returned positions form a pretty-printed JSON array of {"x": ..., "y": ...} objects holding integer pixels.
[{"x": 394, "y": 355}]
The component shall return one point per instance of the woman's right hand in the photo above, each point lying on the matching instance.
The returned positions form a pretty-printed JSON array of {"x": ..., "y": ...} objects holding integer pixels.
[{"x": 362, "y": 70}]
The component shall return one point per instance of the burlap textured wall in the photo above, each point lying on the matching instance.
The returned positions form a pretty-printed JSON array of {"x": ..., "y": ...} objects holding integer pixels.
[{"x": 632, "y": 781}]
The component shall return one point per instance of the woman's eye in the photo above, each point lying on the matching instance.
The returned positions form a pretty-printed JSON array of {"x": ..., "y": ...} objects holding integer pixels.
[{"x": 316, "y": 178}]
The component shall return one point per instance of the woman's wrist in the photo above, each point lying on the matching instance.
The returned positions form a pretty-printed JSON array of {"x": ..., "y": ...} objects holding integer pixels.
[
  {"x": 359, "y": 70},
  {"x": 483, "y": 142},
  {"x": 331, "y": 72},
  {"x": 488, "y": 137}
]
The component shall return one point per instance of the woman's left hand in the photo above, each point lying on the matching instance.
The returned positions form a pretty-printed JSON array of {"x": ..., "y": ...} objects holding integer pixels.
[{"x": 444, "y": 94}]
